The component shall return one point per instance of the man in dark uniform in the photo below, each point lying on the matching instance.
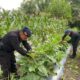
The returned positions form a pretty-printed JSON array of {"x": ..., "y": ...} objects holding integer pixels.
[
  {"x": 8, "y": 44},
  {"x": 75, "y": 37}
]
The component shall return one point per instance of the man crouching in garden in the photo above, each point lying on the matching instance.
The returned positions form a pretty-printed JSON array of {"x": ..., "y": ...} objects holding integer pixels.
[
  {"x": 8, "y": 44},
  {"x": 75, "y": 38}
]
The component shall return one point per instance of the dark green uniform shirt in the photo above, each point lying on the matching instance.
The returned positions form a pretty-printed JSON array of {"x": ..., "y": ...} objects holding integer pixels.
[
  {"x": 75, "y": 37},
  {"x": 11, "y": 42}
]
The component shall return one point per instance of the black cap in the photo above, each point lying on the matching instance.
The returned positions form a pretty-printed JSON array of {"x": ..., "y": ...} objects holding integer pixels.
[
  {"x": 27, "y": 30},
  {"x": 67, "y": 31}
]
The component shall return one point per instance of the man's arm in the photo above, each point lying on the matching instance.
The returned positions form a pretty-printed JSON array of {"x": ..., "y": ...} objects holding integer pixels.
[
  {"x": 26, "y": 45},
  {"x": 0, "y": 38},
  {"x": 16, "y": 46},
  {"x": 64, "y": 36}
]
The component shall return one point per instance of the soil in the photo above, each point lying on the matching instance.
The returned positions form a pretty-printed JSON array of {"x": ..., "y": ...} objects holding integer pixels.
[{"x": 72, "y": 69}]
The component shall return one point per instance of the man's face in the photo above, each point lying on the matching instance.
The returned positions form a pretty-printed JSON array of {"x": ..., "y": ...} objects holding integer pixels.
[
  {"x": 23, "y": 35},
  {"x": 69, "y": 33}
]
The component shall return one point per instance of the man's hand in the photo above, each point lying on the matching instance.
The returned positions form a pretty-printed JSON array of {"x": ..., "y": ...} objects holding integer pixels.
[
  {"x": 29, "y": 56},
  {"x": 31, "y": 51},
  {"x": 61, "y": 42}
]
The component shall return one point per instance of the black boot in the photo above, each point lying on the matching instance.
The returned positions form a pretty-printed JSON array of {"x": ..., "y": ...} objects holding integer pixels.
[
  {"x": 72, "y": 56},
  {"x": 17, "y": 76}
]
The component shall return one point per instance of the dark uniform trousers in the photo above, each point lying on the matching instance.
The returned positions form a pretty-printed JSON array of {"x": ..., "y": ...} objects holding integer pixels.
[
  {"x": 75, "y": 45},
  {"x": 7, "y": 63}
]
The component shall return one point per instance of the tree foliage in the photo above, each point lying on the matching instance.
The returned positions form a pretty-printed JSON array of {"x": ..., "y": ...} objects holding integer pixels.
[
  {"x": 60, "y": 8},
  {"x": 75, "y": 6},
  {"x": 34, "y": 6}
]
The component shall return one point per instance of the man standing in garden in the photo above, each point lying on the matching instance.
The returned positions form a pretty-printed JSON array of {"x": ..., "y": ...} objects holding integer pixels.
[
  {"x": 8, "y": 44},
  {"x": 75, "y": 37}
]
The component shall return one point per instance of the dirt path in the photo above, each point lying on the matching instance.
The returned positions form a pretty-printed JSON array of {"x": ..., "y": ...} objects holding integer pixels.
[{"x": 72, "y": 69}]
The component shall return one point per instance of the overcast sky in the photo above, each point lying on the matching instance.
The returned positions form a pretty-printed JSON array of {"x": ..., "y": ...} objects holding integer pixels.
[{"x": 10, "y": 4}]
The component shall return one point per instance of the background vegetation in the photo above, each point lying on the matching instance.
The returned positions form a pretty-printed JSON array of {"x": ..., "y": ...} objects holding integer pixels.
[{"x": 47, "y": 19}]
